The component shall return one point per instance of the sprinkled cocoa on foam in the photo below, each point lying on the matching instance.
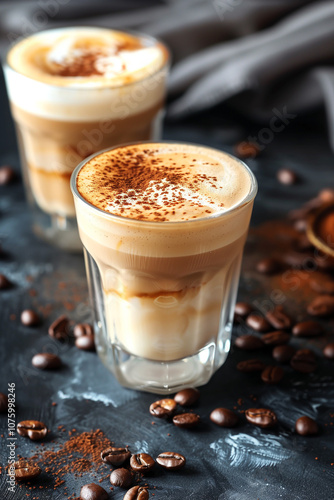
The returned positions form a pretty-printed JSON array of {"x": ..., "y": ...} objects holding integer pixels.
[{"x": 163, "y": 182}]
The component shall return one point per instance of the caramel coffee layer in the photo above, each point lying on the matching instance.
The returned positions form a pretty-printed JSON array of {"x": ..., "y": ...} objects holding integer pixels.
[{"x": 163, "y": 182}]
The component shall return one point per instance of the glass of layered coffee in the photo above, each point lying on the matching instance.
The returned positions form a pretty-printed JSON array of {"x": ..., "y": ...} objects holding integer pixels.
[
  {"x": 163, "y": 226},
  {"x": 75, "y": 91}
]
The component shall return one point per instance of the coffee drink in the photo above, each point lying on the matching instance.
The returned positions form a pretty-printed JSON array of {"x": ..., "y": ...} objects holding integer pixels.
[
  {"x": 75, "y": 91},
  {"x": 164, "y": 227}
]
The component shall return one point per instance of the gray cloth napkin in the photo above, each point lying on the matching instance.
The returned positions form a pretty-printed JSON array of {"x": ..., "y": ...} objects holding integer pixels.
[{"x": 262, "y": 57}]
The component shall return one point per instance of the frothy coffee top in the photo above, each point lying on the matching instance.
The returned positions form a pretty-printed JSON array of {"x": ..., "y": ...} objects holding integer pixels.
[
  {"x": 163, "y": 182},
  {"x": 87, "y": 57}
]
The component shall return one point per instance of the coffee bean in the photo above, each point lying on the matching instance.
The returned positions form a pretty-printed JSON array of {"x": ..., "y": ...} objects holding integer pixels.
[
  {"x": 243, "y": 309},
  {"x": 287, "y": 177},
  {"x": 279, "y": 319},
  {"x": 141, "y": 462},
  {"x": 246, "y": 149},
  {"x": 323, "y": 284},
  {"x": 121, "y": 477},
  {"x": 33, "y": 429},
  {"x": 29, "y": 318},
  {"x": 306, "y": 426},
  {"x": 261, "y": 417},
  {"x": 3, "y": 403},
  {"x": 307, "y": 329},
  {"x": 93, "y": 491},
  {"x": 324, "y": 262},
  {"x": 137, "y": 493},
  {"x": 4, "y": 282},
  {"x": 248, "y": 342},
  {"x": 283, "y": 353},
  {"x": 322, "y": 306},
  {"x": 60, "y": 328},
  {"x": 326, "y": 195},
  {"x": 269, "y": 266},
  {"x": 329, "y": 351},
  {"x": 186, "y": 420},
  {"x": 25, "y": 471},
  {"x": 272, "y": 374},
  {"x": 258, "y": 323},
  {"x": 7, "y": 175},
  {"x": 303, "y": 244},
  {"x": 224, "y": 417},
  {"x": 304, "y": 361},
  {"x": 163, "y": 408},
  {"x": 276, "y": 338},
  {"x": 85, "y": 342},
  {"x": 187, "y": 397},
  {"x": 83, "y": 329},
  {"x": 46, "y": 361},
  {"x": 300, "y": 225},
  {"x": 115, "y": 456},
  {"x": 251, "y": 365},
  {"x": 171, "y": 460}
]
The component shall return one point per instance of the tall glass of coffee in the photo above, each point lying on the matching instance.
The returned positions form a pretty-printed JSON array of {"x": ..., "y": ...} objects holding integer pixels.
[
  {"x": 73, "y": 92},
  {"x": 163, "y": 226}
]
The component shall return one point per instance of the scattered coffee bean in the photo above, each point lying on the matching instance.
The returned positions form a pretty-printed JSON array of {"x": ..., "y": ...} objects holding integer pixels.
[
  {"x": 121, "y": 477},
  {"x": 304, "y": 361},
  {"x": 323, "y": 284},
  {"x": 83, "y": 329},
  {"x": 283, "y": 353},
  {"x": 7, "y": 175},
  {"x": 243, "y": 309},
  {"x": 137, "y": 493},
  {"x": 141, "y": 462},
  {"x": 269, "y": 266},
  {"x": 322, "y": 306},
  {"x": 46, "y": 361},
  {"x": 186, "y": 420},
  {"x": 115, "y": 456},
  {"x": 300, "y": 225},
  {"x": 276, "y": 338},
  {"x": 187, "y": 397},
  {"x": 303, "y": 244},
  {"x": 261, "y": 417},
  {"x": 272, "y": 374},
  {"x": 224, "y": 417},
  {"x": 324, "y": 262},
  {"x": 299, "y": 260},
  {"x": 25, "y": 471},
  {"x": 33, "y": 429},
  {"x": 60, "y": 328},
  {"x": 251, "y": 365},
  {"x": 93, "y": 491},
  {"x": 308, "y": 329},
  {"x": 306, "y": 426},
  {"x": 287, "y": 177},
  {"x": 258, "y": 323},
  {"x": 4, "y": 282},
  {"x": 248, "y": 342},
  {"x": 246, "y": 149},
  {"x": 3, "y": 403},
  {"x": 29, "y": 318},
  {"x": 329, "y": 351},
  {"x": 279, "y": 319},
  {"x": 163, "y": 408},
  {"x": 171, "y": 460},
  {"x": 85, "y": 342}
]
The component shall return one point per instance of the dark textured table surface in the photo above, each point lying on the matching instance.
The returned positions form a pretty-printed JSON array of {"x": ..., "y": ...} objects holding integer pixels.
[{"x": 244, "y": 463}]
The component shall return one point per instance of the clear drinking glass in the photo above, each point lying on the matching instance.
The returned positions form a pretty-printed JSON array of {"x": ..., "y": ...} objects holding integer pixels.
[
  {"x": 60, "y": 125},
  {"x": 163, "y": 293}
]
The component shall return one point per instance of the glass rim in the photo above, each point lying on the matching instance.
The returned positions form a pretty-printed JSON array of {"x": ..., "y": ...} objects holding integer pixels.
[
  {"x": 120, "y": 218},
  {"x": 78, "y": 87}
]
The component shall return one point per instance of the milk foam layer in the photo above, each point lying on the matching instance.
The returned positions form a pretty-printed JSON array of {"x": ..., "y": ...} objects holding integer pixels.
[
  {"x": 59, "y": 68},
  {"x": 163, "y": 182}
]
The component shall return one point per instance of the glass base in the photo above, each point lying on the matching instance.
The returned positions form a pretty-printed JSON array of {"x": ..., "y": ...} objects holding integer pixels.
[
  {"x": 162, "y": 377},
  {"x": 59, "y": 230}
]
